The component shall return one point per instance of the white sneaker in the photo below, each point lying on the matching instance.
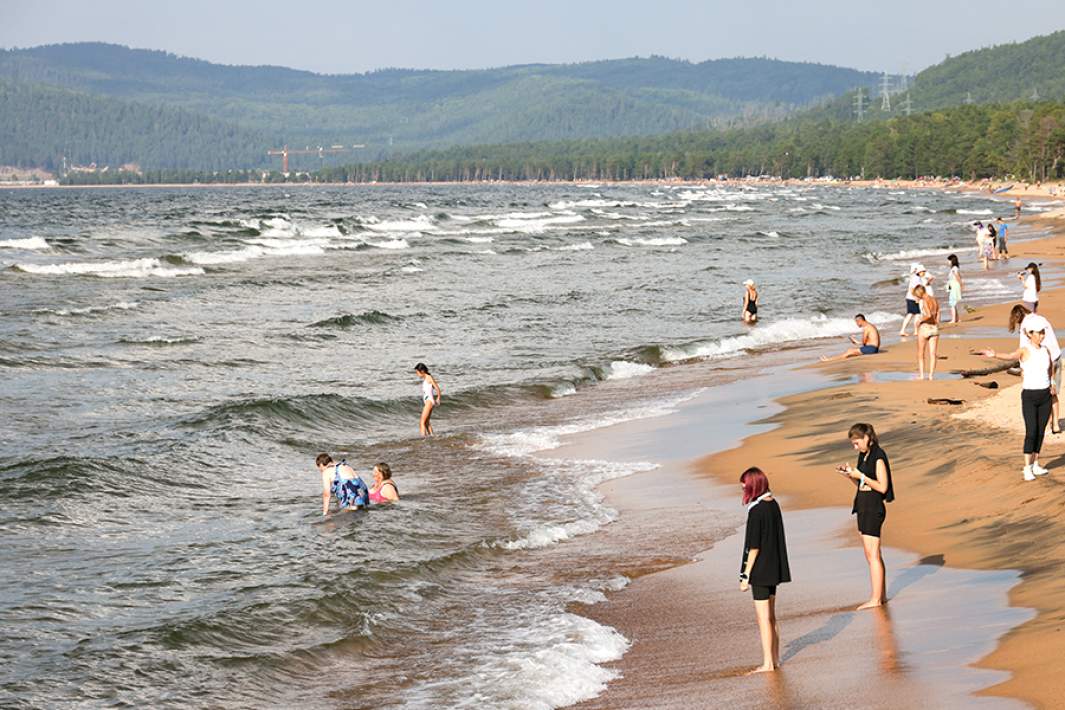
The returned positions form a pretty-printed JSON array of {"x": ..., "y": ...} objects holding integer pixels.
[
  {"x": 1039, "y": 470},
  {"x": 1028, "y": 474}
]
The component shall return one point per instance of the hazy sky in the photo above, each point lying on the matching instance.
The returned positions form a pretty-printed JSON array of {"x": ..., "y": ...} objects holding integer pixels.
[{"x": 338, "y": 36}]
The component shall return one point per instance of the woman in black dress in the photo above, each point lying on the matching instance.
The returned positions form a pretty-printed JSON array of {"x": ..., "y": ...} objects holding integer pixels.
[
  {"x": 873, "y": 478},
  {"x": 765, "y": 561}
]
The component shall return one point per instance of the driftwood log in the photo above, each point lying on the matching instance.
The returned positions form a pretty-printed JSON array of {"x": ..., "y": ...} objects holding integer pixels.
[
  {"x": 989, "y": 370},
  {"x": 945, "y": 400}
]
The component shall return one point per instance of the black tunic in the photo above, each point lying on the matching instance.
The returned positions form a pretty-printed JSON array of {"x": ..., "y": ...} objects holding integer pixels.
[
  {"x": 765, "y": 533},
  {"x": 873, "y": 500}
]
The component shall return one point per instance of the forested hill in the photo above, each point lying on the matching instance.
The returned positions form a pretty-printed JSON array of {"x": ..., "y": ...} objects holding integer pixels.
[
  {"x": 41, "y": 124},
  {"x": 998, "y": 74},
  {"x": 406, "y": 109}
]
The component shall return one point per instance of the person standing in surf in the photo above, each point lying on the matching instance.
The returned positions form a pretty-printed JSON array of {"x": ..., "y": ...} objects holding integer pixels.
[
  {"x": 750, "y": 302},
  {"x": 765, "y": 561},
  {"x": 1003, "y": 248},
  {"x": 430, "y": 398},
  {"x": 873, "y": 479}
]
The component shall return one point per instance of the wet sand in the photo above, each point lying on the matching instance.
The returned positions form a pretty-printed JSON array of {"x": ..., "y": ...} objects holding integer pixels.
[{"x": 964, "y": 530}]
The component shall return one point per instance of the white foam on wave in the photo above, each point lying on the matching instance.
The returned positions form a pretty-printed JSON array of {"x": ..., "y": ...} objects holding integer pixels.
[
  {"x": 908, "y": 254},
  {"x": 651, "y": 241},
  {"x": 769, "y": 234},
  {"x": 421, "y": 223},
  {"x": 548, "y": 663},
  {"x": 480, "y": 240},
  {"x": 973, "y": 212},
  {"x": 28, "y": 244},
  {"x": 563, "y": 389},
  {"x": 390, "y": 244},
  {"x": 623, "y": 369},
  {"x": 538, "y": 225},
  {"x": 412, "y": 269},
  {"x": 258, "y": 248},
  {"x": 582, "y": 246},
  {"x": 131, "y": 268},
  {"x": 819, "y": 206},
  {"x": 89, "y": 310},
  {"x": 329, "y": 230},
  {"x": 770, "y": 334}
]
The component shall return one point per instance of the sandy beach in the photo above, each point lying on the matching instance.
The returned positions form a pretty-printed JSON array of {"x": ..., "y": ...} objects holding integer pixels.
[{"x": 973, "y": 552}]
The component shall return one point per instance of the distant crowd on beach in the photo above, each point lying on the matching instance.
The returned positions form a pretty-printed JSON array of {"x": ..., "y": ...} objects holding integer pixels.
[{"x": 764, "y": 564}]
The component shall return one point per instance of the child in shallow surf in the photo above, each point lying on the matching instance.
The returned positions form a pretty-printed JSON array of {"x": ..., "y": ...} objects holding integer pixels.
[
  {"x": 431, "y": 392},
  {"x": 341, "y": 481}
]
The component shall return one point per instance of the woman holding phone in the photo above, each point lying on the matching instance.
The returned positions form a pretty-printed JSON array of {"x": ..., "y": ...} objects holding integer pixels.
[
  {"x": 874, "y": 489},
  {"x": 765, "y": 561}
]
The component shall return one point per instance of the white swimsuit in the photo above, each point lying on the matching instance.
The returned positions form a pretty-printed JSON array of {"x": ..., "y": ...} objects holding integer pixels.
[{"x": 428, "y": 391}]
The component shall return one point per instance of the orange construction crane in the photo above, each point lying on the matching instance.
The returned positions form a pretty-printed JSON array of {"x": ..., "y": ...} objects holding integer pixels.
[{"x": 320, "y": 151}]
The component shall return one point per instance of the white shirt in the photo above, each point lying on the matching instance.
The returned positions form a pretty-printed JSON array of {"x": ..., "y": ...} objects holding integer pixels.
[
  {"x": 1050, "y": 341},
  {"x": 915, "y": 281},
  {"x": 1030, "y": 293},
  {"x": 1036, "y": 369}
]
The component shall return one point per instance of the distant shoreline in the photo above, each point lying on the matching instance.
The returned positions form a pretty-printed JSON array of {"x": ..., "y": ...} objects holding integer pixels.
[{"x": 1048, "y": 190}]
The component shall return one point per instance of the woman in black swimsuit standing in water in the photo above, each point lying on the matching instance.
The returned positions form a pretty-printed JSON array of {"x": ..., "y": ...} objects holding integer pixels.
[
  {"x": 750, "y": 302},
  {"x": 873, "y": 477}
]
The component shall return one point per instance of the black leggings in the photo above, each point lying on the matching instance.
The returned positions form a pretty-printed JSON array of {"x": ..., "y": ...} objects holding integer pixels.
[{"x": 1035, "y": 406}]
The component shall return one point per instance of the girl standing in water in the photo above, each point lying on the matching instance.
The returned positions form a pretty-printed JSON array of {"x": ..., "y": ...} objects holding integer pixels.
[
  {"x": 765, "y": 561},
  {"x": 873, "y": 477},
  {"x": 750, "y": 302},
  {"x": 430, "y": 398}
]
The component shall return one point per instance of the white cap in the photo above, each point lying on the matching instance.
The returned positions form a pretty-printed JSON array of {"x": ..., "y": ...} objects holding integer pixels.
[
  {"x": 1034, "y": 321},
  {"x": 914, "y": 268},
  {"x": 920, "y": 268},
  {"x": 749, "y": 282}
]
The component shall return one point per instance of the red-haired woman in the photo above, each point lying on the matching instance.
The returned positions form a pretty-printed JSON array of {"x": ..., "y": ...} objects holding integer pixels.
[
  {"x": 765, "y": 561},
  {"x": 873, "y": 477}
]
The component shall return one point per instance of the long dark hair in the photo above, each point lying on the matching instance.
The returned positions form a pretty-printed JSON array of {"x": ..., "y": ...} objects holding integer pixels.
[
  {"x": 953, "y": 260},
  {"x": 1034, "y": 268},
  {"x": 755, "y": 484},
  {"x": 420, "y": 367},
  {"x": 1017, "y": 314}
]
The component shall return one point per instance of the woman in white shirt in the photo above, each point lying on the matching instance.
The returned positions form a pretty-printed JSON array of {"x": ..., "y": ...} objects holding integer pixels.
[
  {"x": 954, "y": 287},
  {"x": 1037, "y": 370},
  {"x": 1020, "y": 317},
  {"x": 1033, "y": 284}
]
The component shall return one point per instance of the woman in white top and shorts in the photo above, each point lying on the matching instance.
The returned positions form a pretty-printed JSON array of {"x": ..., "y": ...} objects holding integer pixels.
[{"x": 1037, "y": 371}]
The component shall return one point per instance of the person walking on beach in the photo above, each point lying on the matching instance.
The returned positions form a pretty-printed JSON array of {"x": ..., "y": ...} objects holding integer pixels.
[
  {"x": 917, "y": 274},
  {"x": 1017, "y": 208},
  {"x": 874, "y": 489},
  {"x": 927, "y": 332},
  {"x": 750, "y": 302},
  {"x": 430, "y": 398},
  {"x": 868, "y": 345},
  {"x": 1033, "y": 284},
  {"x": 1019, "y": 320},
  {"x": 1003, "y": 248},
  {"x": 340, "y": 481},
  {"x": 1036, "y": 391},
  {"x": 765, "y": 561},
  {"x": 954, "y": 287}
]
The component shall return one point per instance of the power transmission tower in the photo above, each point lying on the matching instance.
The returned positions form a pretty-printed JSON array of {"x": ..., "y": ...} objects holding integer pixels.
[
  {"x": 885, "y": 93},
  {"x": 859, "y": 104},
  {"x": 1035, "y": 94},
  {"x": 969, "y": 98},
  {"x": 907, "y": 105}
]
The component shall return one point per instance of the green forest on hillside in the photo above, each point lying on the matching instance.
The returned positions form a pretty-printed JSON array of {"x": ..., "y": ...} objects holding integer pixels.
[
  {"x": 400, "y": 109},
  {"x": 1022, "y": 139},
  {"x": 39, "y": 125}
]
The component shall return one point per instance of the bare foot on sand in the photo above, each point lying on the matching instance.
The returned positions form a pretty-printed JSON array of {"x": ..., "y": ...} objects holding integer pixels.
[
  {"x": 871, "y": 604},
  {"x": 762, "y": 669}
]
